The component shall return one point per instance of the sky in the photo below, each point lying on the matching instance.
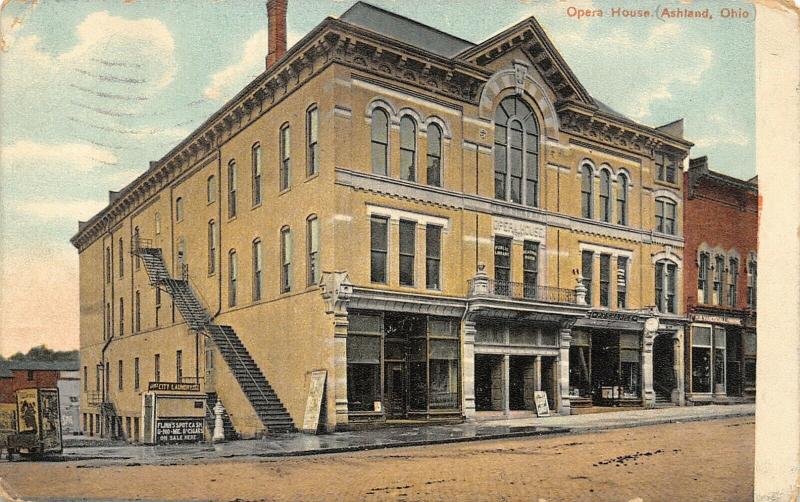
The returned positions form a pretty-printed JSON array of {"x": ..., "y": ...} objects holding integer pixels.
[{"x": 92, "y": 90}]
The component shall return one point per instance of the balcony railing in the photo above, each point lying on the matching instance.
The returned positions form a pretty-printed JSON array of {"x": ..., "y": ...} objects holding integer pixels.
[{"x": 519, "y": 290}]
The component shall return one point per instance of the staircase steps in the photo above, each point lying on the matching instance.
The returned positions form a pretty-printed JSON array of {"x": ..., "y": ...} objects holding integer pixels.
[{"x": 257, "y": 389}]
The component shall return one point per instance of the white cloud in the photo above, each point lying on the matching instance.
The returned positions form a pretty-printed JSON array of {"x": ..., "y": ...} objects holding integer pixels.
[
  {"x": 229, "y": 80},
  {"x": 727, "y": 133},
  {"x": 49, "y": 210},
  {"x": 26, "y": 154}
]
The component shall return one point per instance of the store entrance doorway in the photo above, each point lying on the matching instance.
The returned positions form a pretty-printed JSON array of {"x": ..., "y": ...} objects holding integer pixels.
[{"x": 488, "y": 382}]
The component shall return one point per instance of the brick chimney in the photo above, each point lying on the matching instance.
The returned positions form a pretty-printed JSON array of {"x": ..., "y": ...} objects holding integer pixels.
[{"x": 276, "y": 30}]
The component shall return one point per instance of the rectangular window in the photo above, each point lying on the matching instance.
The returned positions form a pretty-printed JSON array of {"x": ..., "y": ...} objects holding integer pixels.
[
  {"x": 660, "y": 216},
  {"x": 233, "y": 278},
  {"x": 433, "y": 256},
  {"x": 109, "y": 325},
  {"x": 719, "y": 358},
  {"x": 605, "y": 280},
  {"x": 671, "y": 280},
  {"x": 157, "y": 368},
  {"x": 97, "y": 378},
  {"x": 212, "y": 247},
  {"x": 119, "y": 375},
  {"x": 179, "y": 366},
  {"x": 257, "y": 271},
  {"x": 502, "y": 265},
  {"x": 256, "y": 175},
  {"x": 702, "y": 278},
  {"x": 666, "y": 167},
  {"x": 719, "y": 274},
  {"x": 211, "y": 195},
  {"x": 407, "y": 248},
  {"x": 312, "y": 141},
  {"x": 121, "y": 259},
  {"x": 121, "y": 317},
  {"x": 530, "y": 268},
  {"x": 30, "y": 375},
  {"x": 232, "y": 189},
  {"x": 312, "y": 236},
  {"x": 85, "y": 379},
  {"x": 752, "y": 281},
  {"x": 136, "y": 373},
  {"x": 137, "y": 320},
  {"x": 622, "y": 282},
  {"x": 286, "y": 260},
  {"x": 734, "y": 281},
  {"x": 108, "y": 264},
  {"x": 158, "y": 306},
  {"x": 379, "y": 246},
  {"x": 587, "y": 269},
  {"x": 285, "y": 148}
]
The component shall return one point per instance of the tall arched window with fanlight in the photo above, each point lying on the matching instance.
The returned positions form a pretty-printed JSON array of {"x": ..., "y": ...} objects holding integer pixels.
[
  {"x": 605, "y": 196},
  {"x": 516, "y": 152},
  {"x": 380, "y": 142}
]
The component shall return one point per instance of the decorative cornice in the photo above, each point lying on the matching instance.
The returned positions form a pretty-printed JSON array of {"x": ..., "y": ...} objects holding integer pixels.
[{"x": 594, "y": 125}]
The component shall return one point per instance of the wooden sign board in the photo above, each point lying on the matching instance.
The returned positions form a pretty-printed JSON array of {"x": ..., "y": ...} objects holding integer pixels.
[
  {"x": 316, "y": 390},
  {"x": 542, "y": 407}
]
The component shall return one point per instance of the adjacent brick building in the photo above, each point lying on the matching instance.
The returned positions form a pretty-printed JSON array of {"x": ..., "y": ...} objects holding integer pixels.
[{"x": 721, "y": 231}]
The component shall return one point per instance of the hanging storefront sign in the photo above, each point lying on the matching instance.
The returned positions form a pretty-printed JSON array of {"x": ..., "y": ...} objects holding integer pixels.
[{"x": 717, "y": 319}]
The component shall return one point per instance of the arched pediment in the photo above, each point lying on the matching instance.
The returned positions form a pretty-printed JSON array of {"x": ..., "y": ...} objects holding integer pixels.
[{"x": 503, "y": 81}]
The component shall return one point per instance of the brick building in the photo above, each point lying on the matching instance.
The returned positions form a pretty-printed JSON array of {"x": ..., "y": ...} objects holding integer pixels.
[
  {"x": 721, "y": 231},
  {"x": 444, "y": 227}
]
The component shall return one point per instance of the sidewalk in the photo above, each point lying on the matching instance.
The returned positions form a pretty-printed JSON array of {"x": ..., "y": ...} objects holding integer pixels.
[{"x": 391, "y": 437}]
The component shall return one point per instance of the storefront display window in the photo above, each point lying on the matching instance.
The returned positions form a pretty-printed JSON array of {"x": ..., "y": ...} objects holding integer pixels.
[
  {"x": 630, "y": 364},
  {"x": 364, "y": 371},
  {"x": 579, "y": 363},
  {"x": 719, "y": 359},
  {"x": 701, "y": 359}
]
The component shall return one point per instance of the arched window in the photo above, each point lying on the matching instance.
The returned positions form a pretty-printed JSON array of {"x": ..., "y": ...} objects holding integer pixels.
[
  {"x": 312, "y": 141},
  {"x": 666, "y": 279},
  {"x": 181, "y": 255},
  {"x": 434, "y": 155},
  {"x": 587, "y": 191},
  {"x": 158, "y": 223},
  {"x": 733, "y": 280},
  {"x": 408, "y": 149},
  {"x": 516, "y": 152},
  {"x": 286, "y": 259},
  {"x": 286, "y": 156},
  {"x": 622, "y": 199},
  {"x": 258, "y": 270},
  {"x": 233, "y": 277},
  {"x": 605, "y": 196},
  {"x": 121, "y": 316},
  {"x": 232, "y": 189},
  {"x": 703, "y": 269},
  {"x": 380, "y": 142},
  {"x": 211, "y": 189},
  {"x": 256, "y": 173},
  {"x": 212, "y": 247},
  {"x": 179, "y": 209},
  {"x": 312, "y": 245},
  {"x": 752, "y": 281}
]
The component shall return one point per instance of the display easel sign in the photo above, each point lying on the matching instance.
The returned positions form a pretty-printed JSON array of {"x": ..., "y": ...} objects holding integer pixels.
[
  {"x": 542, "y": 407},
  {"x": 316, "y": 389}
]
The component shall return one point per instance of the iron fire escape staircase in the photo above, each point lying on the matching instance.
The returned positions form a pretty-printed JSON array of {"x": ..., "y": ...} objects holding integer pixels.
[{"x": 259, "y": 392}]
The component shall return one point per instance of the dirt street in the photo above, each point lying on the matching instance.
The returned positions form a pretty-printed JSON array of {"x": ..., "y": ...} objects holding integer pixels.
[{"x": 710, "y": 461}]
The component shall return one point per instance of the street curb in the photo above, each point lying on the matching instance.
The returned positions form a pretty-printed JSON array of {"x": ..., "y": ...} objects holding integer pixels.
[{"x": 548, "y": 431}]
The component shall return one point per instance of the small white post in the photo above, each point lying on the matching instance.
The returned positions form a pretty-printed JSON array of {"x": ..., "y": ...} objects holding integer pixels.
[{"x": 219, "y": 429}]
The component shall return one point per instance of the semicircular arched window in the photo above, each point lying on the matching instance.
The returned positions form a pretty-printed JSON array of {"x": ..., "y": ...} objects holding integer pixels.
[{"x": 516, "y": 152}]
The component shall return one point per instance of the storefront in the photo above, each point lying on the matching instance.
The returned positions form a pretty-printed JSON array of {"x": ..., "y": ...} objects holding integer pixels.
[
  {"x": 512, "y": 361},
  {"x": 402, "y": 366},
  {"x": 721, "y": 354},
  {"x": 605, "y": 361}
]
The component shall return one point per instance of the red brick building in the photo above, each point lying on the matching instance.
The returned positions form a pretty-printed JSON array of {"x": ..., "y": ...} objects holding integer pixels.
[
  {"x": 16, "y": 375},
  {"x": 721, "y": 232}
]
